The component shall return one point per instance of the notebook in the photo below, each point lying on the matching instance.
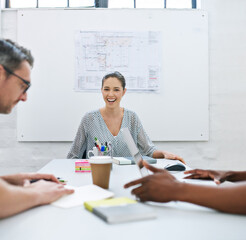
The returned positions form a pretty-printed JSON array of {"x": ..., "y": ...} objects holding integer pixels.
[{"x": 119, "y": 210}]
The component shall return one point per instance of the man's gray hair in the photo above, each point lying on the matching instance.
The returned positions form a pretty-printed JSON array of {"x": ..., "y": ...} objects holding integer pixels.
[{"x": 12, "y": 55}]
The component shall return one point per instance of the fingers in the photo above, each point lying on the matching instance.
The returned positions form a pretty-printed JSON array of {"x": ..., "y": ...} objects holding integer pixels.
[
  {"x": 189, "y": 177},
  {"x": 53, "y": 179},
  {"x": 143, "y": 197},
  {"x": 190, "y": 171},
  {"x": 199, "y": 174},
  {"x": 140, "y": 193},
  {"x": 193, "y": 176},
  {"x": 49, "y": 177},
  {"x": 26, "y": 183},
  {"x": 172, "y": 156},
  {"x": 194, "y": 171},
  {"x": 137, "y": 191},
  {"x": 151, "y": 168},
  {"x": 217, "y": 181},
  {"x": 68, "y": 191},
  {"x": 180, "y": 159},
  {"x": 135, "y": 182}
]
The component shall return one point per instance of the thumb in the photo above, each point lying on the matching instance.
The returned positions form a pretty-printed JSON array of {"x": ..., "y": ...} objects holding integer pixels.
[
  {"x": 217, "y": 181},
  {"x": 26, "y": 183}
]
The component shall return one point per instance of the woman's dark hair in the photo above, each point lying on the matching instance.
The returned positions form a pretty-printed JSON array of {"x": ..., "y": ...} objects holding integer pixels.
[{"x": 117, "y": 75}]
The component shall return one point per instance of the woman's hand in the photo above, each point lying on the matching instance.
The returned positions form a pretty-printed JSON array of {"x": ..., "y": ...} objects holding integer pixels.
[
  {"x": 172, "y": 156},
  {"x": 167, "y": 155}
]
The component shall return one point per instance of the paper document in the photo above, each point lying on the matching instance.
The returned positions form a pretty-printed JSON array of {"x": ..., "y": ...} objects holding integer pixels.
[
  {"x": 82, "y": 194},
  {"x": 135, "y": 54}
]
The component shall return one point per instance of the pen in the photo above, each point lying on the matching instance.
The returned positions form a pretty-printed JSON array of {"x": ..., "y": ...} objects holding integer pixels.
[
  {"x": 35, "y": 180},
  {"x": 97, "y": 146},
  {"x": 98, "y": 143},
  {"x": 49, "y": 180},
  {"x": 62, "y": 181}
]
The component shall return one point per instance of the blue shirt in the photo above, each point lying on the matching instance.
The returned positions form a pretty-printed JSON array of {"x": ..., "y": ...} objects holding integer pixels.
[{"x": 92, "y": 125}]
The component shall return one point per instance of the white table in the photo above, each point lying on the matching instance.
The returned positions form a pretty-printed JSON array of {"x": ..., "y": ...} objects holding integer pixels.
[{"x": 174, "y": 221}]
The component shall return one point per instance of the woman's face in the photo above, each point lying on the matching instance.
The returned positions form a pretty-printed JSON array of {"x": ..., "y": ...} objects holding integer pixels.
[{"x": 112, "y": 92}]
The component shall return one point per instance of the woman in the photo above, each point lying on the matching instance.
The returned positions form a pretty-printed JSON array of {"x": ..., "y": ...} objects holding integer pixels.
[{"x": 105, "y": 125}]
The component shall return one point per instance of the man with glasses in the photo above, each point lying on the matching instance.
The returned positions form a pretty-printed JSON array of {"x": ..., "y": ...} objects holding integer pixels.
[{"x": 16, "y": 192}]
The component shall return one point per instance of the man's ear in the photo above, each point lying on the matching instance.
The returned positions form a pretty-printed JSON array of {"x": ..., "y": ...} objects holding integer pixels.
[
  {"x": 1, "y": 67},
  {"x": 2, "y": 72}
]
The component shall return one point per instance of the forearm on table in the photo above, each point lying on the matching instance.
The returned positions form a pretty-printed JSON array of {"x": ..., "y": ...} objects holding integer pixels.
[
  {"x": 230, "y": 199},
  {"x": 13, "y": 178},
  {"x": 235, "y": 176},
  {"x": 15, "y": 199}
]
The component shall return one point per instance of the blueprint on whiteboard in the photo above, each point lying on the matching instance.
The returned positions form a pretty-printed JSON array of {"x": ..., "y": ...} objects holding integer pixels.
[{"x": 136, "y": 55}]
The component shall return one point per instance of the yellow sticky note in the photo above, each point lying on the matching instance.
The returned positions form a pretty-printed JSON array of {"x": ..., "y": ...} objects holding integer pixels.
[{"x": 108, "y": 202}]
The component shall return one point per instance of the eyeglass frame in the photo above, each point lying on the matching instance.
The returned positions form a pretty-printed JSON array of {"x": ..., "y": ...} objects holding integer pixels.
[{"x": 27, "y": 83}]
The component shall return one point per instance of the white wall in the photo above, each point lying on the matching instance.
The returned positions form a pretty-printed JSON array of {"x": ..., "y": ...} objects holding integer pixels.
[
  {"x": 226, "y": 147},
  {"x": 0, "y": 19}
]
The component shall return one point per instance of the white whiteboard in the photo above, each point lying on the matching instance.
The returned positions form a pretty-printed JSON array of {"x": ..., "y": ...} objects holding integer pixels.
[{"x": 179, "y": 112}]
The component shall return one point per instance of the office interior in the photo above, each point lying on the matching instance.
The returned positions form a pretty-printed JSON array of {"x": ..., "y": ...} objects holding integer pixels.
[{"x": 225, "y": 148}]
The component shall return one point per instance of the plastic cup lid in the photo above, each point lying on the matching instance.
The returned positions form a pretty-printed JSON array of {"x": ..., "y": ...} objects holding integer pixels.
[{"x": 100, "y": 160}]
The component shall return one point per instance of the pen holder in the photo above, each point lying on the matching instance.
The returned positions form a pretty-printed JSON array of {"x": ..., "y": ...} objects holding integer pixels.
[{"x": 97, "y": 152}]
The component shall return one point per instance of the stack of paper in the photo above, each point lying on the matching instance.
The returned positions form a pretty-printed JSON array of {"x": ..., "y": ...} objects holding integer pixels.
[{"x": 82, "y": 194}]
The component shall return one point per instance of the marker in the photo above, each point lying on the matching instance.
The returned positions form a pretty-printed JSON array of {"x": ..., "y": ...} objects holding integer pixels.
[
  {"x": 103, "y": 148},
  {"x": 97, "y": 147},
  {"x": 62, "y": 181},
  {"x": 98, "y": 143}
]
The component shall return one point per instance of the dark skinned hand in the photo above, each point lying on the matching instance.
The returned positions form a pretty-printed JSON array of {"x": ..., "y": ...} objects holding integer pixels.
[
  {"x": 217, "y": 176},
  {"x": 158, "y": 187}
]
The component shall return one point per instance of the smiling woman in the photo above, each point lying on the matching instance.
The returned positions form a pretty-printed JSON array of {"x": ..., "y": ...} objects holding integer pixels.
[{"x": 106, "y": 122}]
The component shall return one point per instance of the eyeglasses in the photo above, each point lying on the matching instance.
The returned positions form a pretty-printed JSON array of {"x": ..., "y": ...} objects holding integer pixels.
[{"x": 28, "y": 84}]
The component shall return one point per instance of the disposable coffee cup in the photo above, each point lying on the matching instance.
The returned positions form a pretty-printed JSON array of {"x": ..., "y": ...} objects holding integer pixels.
[{"x": 100, "y": 170}]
